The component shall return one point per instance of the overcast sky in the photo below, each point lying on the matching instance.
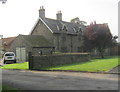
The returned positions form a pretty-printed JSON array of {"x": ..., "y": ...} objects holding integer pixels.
[{"x": 19, "y": 16}]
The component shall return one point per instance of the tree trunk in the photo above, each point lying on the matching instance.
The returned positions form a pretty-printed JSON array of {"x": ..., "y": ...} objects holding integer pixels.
[{"x": 102, "y": 54}]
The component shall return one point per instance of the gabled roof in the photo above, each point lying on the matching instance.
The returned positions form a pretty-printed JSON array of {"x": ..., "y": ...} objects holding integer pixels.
[
  {"x": 7, "y": 41},
  {"x": 55, "y": 26}
]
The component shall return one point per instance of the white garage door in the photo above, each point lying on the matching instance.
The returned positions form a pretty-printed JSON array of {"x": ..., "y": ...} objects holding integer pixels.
[{"x": 21, "y": 54}]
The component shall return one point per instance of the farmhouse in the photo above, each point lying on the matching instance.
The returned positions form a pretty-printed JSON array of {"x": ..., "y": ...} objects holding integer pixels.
[
  {"x": 48, "y": 34},
  {"x": 6, "y": 43},
  {"x": 65, "y": 36}
]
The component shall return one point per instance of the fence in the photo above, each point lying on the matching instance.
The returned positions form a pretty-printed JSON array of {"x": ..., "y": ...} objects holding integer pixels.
[{"x": 36, "y": 61}]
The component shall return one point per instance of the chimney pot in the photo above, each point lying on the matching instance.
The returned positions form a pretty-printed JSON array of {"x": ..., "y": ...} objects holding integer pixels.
[
  {"x": 59, "y": 15},
  {"x": 42, "y": 12}
]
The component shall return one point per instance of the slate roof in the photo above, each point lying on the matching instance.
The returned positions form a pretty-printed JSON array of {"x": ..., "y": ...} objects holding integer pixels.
[
  {"x": 36, "y": 40},
  {"x": 56, "y": 26}
]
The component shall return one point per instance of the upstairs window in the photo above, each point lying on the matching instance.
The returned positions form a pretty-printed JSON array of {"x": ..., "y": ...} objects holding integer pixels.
[
  {"x": 63, "y": 38},
  {"x": 64, "y": 28},
  {"x": 75, "y": 30},
  {"x": 79, "y": 38}
]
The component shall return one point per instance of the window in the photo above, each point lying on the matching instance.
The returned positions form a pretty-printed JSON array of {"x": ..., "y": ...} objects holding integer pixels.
[
  {"x": 64, "y": 28},
  {"x": 63, "y": 38},
  {"x": 63, "y": 49},
  {"x": 9, "y": 54},
  {"x": 80, "y": 49},
  {"x": 36, "y": 31},
  {"x": 80, "y": 29},
  {"x": 79, "y": 38},
  {"x": 75, "y": 30}
]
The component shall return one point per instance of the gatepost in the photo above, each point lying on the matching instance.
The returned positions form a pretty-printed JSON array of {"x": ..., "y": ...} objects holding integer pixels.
[{"x": 30, "y": 59}]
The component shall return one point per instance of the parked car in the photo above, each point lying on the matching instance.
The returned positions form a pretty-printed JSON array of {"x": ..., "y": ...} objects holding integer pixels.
[{"x": 9, "y": 57}]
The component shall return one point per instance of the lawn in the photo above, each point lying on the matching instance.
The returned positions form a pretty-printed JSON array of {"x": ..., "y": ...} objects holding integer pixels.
[
  {"x": 94, "y": 65},
  {"x": 23, "y": 66}
]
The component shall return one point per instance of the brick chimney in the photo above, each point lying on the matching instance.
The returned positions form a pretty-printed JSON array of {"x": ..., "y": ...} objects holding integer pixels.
[
  {"x": 42, "y": 12},
  {"x": 59, "y": 15}
]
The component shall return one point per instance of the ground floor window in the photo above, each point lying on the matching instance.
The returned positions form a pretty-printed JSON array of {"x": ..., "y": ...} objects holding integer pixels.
[
  {"x": 63, "y": 49},
  {"x": 80, "y": 49}
]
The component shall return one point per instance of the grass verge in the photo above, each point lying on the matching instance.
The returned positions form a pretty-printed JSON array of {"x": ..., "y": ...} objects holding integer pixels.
[
  {"x": 23, "y": 66},
  {"x": 6, "y": 88}
]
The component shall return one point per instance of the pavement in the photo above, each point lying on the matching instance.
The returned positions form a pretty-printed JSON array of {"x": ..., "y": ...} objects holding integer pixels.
[
  {"x": 115, "y": 70},
  {"x": 1, "y": 61}
]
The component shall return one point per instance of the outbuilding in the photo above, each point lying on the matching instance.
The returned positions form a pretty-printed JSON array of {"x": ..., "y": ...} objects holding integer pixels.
[{"x": 30, "y": 43}]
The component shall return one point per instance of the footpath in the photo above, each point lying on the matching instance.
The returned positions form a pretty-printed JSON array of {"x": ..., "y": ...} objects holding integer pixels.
[{"x": 115, "y": 70}]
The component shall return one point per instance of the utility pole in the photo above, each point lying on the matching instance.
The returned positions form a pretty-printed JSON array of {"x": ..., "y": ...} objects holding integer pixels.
[{"x": 1, "y": 46}]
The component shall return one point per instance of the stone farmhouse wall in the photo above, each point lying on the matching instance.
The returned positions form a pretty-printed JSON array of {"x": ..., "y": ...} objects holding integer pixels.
[
  {"x": 68, "y": 43},
  {"x": 36, "y": 62},
  {"x": 41, "y": 29},
  {"x": 62, "y": 41}
]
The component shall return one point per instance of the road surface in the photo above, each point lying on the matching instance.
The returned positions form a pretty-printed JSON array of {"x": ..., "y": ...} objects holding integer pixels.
[{"x": 44, "y": 80}]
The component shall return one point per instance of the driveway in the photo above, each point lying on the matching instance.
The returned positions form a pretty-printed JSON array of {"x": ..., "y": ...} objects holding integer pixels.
[{"x": 44, "y": 80}]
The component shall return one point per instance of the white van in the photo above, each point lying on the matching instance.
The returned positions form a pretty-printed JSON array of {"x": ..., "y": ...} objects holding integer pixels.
[{"x": 9, "y": 57}]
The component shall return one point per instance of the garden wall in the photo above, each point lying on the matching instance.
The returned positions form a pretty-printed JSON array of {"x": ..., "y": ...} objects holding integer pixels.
[{"x": 52, "y": 60}]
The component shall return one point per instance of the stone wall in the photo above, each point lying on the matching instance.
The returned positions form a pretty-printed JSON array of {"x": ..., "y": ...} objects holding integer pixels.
[
  {"x": 41, "y": 29},
  {"x": 52, "y": 60}
]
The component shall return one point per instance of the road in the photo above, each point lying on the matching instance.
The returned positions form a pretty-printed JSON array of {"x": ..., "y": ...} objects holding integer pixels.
[{"x": 44, "y": 80}]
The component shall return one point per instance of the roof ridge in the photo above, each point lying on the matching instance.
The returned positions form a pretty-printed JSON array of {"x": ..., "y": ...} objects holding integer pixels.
[
  {"x": 52, "y": 24},
  {"x": 63, "y": 22},
  {"x": 59, "y": 20}
]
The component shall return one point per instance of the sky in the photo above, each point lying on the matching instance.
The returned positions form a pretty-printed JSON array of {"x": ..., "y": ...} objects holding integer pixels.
[{"x": 19, "y": 16}]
